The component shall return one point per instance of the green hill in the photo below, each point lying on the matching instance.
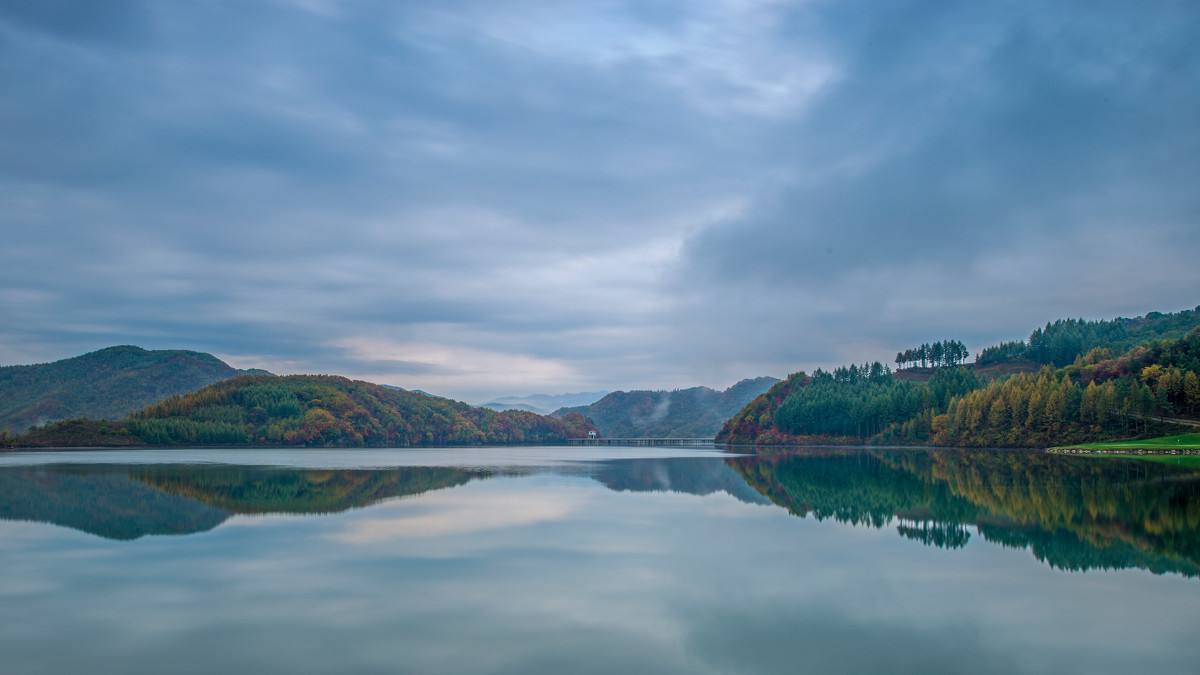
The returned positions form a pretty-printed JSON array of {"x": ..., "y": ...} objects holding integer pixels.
[
  {"x": 1099, "y": 397},
  {"x": 308, "y": 410},
  {"x": 1060, "y": 342},
  {"x": 1100, "y": 394},
  {"x": 105, "y": 384},
  {"x": 697, "y": 412}
]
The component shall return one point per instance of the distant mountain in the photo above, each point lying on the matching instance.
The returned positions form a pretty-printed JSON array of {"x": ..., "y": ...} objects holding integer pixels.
[
  {"x": 501, "y": 407},
  {"x": 105, "y": 384},
  {"x": 544, "y": 404},
  {"x": 308, "y": 410},
  {"x": 697, "y": 412}
]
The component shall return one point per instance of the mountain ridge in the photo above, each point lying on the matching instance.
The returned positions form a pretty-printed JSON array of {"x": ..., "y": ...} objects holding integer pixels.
[
  {"x": 309, "y": 411},
  {"x": 107, "y": 383},
  {"x": 694, "y": 412},
  {"x": 544, "y": 404}
]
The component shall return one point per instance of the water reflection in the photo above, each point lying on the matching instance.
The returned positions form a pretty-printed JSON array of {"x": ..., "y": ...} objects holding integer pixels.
[
  {"x": 817, "y": 561},
  {"x": 128, "y": 502},
  {"x": 1071, "y": 513}
]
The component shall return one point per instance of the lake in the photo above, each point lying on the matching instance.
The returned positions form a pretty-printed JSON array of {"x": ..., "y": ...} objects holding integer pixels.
[{"x": 596, "y": 560}]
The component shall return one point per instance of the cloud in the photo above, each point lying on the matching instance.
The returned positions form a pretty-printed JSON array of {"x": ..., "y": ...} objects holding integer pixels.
[
  {"x": 451, "y": 513},
  {"x": 450, "y": 367},
  {"x": 606, "y": 195},
  {"x": 974, "y": 171}
]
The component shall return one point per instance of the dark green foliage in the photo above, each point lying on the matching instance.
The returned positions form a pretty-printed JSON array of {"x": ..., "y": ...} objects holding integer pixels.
[
  {"x": 1059, "y": 343},
  {"x": 81, "y": 433},
  {"x": 105, "y": 384},
  {"x": 697, "y": 412},
  {"x": 317, "y": 410},
  {"x": 1095, "y": 397},
  {"x": 855, "y": 402},
  {"x": 939, "y": 354},
  {"x": 1005, "y": 351},
  {"x": 183, "y": 431}
]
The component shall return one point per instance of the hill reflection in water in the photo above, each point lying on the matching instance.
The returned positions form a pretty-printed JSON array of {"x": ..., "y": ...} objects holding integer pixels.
[{"x": 1071, "y": 513}]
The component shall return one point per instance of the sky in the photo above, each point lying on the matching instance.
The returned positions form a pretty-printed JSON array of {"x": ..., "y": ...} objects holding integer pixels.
[{"x": 487, "y": 198}]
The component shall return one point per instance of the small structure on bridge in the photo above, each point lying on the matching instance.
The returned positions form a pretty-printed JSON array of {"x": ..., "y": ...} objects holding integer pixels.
[{"x": 592, "y": 435}]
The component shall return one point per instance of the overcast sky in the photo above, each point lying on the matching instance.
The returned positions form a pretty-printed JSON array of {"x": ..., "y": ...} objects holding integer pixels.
[{"x": 485, "y": 198}]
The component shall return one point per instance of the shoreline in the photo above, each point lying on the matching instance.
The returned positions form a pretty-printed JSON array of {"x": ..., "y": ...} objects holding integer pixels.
[{"x": 1120, "y": 452}]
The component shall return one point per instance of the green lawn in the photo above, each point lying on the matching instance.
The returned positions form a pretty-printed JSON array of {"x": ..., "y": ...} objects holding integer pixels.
[{"x": 1174, "y": 441}]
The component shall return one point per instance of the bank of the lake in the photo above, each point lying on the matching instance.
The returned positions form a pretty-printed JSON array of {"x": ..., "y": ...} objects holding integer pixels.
[
  {"x": 1177, "y": 449},
  {"x": 1158, "y": 445}
]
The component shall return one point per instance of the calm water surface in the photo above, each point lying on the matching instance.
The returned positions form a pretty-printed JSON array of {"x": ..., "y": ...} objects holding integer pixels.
[{"x": 582, "y": 560}]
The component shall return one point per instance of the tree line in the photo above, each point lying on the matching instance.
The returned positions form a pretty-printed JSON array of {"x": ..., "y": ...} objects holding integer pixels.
[
  {"x": 868, "y": 401},
  {"x": 940, "y": 354},
  {"x": 1060, "y": 342},
  {"x": 1099, "y": 396}
]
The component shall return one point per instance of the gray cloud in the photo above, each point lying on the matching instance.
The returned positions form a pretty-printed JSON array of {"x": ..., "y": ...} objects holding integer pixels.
[{"x": 476, "y": 199}]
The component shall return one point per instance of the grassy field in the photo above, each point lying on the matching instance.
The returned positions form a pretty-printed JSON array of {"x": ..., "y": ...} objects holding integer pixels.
[
  {"x": 1162, "y": 443},
  {"x": 1179, "y": 441}
]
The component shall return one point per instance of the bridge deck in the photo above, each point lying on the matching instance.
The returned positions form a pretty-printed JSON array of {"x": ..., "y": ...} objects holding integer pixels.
[{"x": 641, "y": 441}]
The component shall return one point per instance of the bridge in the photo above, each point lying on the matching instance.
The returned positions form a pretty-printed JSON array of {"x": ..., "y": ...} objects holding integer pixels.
[{"x": 673, "y": 442}]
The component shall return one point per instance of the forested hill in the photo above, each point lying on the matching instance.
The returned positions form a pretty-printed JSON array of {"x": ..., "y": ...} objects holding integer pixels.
[
  {"x": 856, "y": 404},
  {"x": 1100, "y": 394},
  {"x": 697, "y": 412},
  {"x": 308, "y": 410},
  {"x": 105, "y": 384},
  {"x": 1060, "y": 342}
]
